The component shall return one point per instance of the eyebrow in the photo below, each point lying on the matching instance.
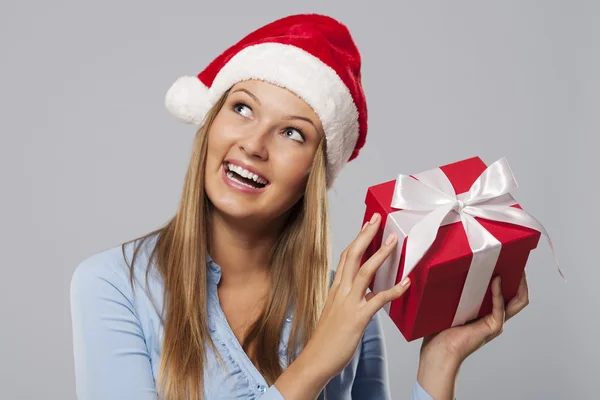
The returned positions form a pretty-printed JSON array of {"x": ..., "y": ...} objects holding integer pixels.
[
  {"x": 249, "y": 93},
  {"x": 288, "y": 117}
]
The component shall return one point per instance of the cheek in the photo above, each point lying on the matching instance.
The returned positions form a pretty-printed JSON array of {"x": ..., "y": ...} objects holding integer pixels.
[
  {"x": 294, "y": 170},
  {"x": 221, "y": 136}
]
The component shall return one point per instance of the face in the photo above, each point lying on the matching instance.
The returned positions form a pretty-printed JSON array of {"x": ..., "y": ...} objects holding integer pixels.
[{"x": 260, "y": 149}]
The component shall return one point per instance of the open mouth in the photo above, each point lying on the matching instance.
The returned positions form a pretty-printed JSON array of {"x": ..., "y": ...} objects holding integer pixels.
[{"x": 244, "y": 177}]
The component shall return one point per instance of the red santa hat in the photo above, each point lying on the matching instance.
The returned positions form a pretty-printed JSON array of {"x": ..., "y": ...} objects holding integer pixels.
[{"x": 313, "y": 56}]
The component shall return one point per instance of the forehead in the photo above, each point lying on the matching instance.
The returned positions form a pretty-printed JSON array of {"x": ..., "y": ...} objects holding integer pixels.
[{"x": 278, "y": 98}]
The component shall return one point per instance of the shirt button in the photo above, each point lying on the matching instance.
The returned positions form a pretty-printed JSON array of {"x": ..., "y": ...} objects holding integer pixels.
[{"x": 261, "y": 388}]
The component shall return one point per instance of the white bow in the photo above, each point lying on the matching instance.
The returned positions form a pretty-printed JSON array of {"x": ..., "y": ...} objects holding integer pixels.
[{"x": 488, "y": 198}]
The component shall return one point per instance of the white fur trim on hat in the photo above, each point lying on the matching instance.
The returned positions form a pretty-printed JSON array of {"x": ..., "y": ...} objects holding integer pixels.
[{"x": 290, "y": 67}]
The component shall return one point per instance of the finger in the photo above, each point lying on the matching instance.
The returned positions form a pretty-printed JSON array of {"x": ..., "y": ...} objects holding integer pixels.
[
  {"x": 377, "y": 301},
  {"x": 339, "y": 272},
  {"x": 357, "y": 248},
  {"x": 520, "y": 301},
  {"x": 495, "y": 320},
  {"x": 335, "y": 284},
  {"x": 369, "y": 268},
  {"x": 340, "y": 269},
  {"x": 491, "y": 325}
]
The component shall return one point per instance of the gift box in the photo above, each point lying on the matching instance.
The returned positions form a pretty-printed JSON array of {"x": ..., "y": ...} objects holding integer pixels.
[{"x": 458, "y": 227}]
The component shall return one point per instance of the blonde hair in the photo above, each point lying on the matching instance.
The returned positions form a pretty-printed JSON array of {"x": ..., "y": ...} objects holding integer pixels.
[{"x": 299, "y": 275}]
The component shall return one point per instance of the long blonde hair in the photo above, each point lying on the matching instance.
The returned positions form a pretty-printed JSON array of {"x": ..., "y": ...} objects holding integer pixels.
[{"x": 299, "y": 275}]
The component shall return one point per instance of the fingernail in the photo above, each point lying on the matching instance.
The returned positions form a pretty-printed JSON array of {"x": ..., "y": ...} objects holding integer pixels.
[
  {"x": 390, "y": 239},
  {"x": 405, "y": 281},
  {"x": 374, "y": 218}
]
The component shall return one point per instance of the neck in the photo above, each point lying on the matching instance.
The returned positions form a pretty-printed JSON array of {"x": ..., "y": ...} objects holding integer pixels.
[{"x": 242, "y": 250}]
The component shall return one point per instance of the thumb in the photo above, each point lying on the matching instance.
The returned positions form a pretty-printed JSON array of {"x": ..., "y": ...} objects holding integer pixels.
[{"x": 492, "y": 324}]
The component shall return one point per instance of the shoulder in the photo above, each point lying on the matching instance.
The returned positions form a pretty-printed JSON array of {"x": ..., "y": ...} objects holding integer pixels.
[
  {"x": 106, "y": 265},
  {"x": 109, "y": 269}
]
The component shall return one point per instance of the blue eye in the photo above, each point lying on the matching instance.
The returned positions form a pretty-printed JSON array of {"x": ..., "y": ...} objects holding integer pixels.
[
  {"x": 294, "y": 134},
  {"x": 242, "y": 109}
]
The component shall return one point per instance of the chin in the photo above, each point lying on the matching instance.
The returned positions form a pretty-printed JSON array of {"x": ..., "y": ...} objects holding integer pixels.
[
  {"x": 234, "y": 208},
  {"x": 242, "y": 210},
  {"x": 231, "y": 202},
  {"x": 237, "y": 202}
]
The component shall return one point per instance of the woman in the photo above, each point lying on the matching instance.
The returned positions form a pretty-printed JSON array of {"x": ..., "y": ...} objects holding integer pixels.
[{"x": 234, "y": 296}]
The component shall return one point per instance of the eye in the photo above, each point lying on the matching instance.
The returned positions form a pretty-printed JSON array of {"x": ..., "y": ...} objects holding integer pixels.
[
  {"x": 294, "y": 134},
  {"x": 242, "y": 109}
]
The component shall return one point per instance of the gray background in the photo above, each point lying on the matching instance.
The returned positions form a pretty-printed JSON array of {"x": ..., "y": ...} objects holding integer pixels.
[{"x": 90, "y": 158}]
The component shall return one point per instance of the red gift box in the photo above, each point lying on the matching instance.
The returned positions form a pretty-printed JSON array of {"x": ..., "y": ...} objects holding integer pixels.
[{"x": 438, "y": 279}]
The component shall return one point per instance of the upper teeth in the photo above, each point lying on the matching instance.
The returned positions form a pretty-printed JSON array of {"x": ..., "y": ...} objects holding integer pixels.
[{"x": 246, "y": 174}]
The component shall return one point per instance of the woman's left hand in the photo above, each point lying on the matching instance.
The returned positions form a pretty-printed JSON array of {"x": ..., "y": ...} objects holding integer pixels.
[{"x": 444, "y": 352}]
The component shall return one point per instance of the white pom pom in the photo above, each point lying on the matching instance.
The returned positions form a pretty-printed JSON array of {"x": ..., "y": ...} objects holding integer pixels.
[{"x": 188, "y": 99}]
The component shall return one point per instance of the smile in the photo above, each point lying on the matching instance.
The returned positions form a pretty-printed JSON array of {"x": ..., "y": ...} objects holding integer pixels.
[{"x": 242, "y": 178}]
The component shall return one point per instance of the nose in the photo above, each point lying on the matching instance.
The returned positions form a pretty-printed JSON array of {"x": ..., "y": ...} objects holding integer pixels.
[{"x": 254, "y": 143}]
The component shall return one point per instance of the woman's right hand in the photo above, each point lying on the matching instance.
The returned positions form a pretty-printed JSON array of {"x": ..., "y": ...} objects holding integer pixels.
[{"x": 349, "y": 308}]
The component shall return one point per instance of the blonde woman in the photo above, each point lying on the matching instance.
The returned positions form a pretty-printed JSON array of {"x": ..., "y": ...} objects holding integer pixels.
[{"x": 234, "y": 297}]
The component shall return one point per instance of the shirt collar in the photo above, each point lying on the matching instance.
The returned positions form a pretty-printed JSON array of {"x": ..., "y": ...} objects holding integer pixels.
[{"x": 214, "y": 270}]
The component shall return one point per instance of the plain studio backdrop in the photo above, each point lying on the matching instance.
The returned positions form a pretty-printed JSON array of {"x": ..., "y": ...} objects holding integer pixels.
[{"x": 91, "y": 158}]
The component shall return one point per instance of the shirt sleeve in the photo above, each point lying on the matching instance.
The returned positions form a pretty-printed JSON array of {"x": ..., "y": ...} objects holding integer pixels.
[
  {"x": 110, "y": 353},
  {"x": 372, "y": 381},
  {"x": 272, "y": 394},
  {"x": 419, "y": 393}
]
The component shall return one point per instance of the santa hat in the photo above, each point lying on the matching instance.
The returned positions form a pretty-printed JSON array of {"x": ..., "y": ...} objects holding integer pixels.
[{"x": 313, "y": 56}]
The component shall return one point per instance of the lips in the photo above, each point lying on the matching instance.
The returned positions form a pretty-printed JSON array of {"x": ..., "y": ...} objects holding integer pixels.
[
  {"x": 235, "y": 183},
  {"x": 246, "y": 171}
]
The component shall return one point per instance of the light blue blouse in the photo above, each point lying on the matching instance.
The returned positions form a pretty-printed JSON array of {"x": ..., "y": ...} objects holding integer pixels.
[{"x": 118, "y": 333}]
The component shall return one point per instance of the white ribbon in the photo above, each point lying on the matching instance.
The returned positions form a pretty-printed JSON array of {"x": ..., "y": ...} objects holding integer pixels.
[{"x": 429, "y": 202}]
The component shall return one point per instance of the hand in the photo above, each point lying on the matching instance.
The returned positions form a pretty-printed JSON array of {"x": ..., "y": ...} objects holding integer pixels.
[
  {"x": 348, "y": 310},
  {"x": 444, "y": 352},
  {"x": 345, "y": 317},
  {"x": 461, "y": 341}
]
